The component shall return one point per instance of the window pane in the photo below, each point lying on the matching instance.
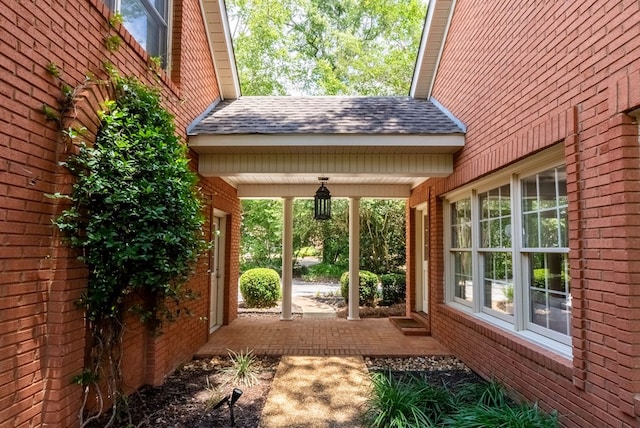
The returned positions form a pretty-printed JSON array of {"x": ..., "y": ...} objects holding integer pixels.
[
  {"x": 462, "y": 275},
  {"x": 495, "y": 220},
  {"x": 544, "y": 205},
  {"x": 146, "y": 26},
  {"x": 550, "y": 291},
  {"x": 461, "y": 224},
  {"x": 498, "y": 282}
]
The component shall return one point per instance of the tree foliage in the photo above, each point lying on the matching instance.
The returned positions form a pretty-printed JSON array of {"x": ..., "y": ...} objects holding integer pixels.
[
  {"x": 326, "y": 47},
  {"x": 382, "y": 233},
  {"x": 261, "y": 232}
]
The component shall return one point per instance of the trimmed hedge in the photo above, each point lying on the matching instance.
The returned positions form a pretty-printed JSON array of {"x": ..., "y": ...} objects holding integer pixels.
[
  {"x": 394, "y": 288},
  {"x": 260, "y": 287},
  {"x": 368, "y": 287}
]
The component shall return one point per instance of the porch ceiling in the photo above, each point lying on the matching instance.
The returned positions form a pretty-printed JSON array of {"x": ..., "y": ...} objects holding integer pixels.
[{"x": 367, "y": 146}]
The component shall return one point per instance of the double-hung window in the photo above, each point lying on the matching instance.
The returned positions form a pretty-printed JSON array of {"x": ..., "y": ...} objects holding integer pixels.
[
  {"x": 508, "y": 251},
  {"x": 148, "y": 23}
]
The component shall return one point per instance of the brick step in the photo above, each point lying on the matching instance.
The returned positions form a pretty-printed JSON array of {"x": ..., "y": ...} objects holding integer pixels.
[{"x": 409, "y": 326}]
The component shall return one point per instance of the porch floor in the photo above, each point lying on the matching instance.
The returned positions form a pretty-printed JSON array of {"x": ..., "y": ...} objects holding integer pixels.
[{"x": 374, "y": 337}]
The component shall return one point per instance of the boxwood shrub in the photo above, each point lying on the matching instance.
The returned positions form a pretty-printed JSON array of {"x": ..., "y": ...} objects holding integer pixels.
[
  {"x": 260, "y": 287},
  {"x": 394, "y": 286},
  {"x": 368, "y": 287}
]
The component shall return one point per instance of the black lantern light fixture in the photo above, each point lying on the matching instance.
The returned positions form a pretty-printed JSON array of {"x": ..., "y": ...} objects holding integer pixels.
[{"x": 322, "y": 205}]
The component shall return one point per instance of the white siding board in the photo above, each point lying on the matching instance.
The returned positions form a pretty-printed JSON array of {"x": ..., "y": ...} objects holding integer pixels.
[{"x": 398, "y": 165}]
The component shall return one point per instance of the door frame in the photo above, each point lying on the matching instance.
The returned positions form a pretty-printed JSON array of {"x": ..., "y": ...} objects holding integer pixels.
[
  {"x": 421, "y": 231},
  {"x": 217, "y": 268}
]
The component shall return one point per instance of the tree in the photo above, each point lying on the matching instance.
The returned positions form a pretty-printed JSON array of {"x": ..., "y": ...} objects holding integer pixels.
[
  {"x": 382, "y": 235},
  {"x": 326, "y": 47},
  {"x": 261, "y": 233}
]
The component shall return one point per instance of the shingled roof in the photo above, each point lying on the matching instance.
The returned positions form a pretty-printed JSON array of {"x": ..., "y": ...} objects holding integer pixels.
[{"x": 325, "y": 115}]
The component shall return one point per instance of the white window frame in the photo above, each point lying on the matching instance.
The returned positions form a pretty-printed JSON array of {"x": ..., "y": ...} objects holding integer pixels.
[
  {"x": 518, "y": 323},
  {"x": 162, "y": 19}
]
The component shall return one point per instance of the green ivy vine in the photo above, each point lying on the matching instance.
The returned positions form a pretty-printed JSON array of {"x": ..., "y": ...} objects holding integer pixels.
[{"x": 135, "y": 214}]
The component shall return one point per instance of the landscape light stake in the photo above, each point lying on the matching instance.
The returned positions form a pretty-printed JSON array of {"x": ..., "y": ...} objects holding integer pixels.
[{"x": 230, "y": 400}]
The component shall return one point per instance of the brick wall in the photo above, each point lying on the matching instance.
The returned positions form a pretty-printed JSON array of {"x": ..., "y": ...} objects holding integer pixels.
[
  {"x": 42, "y": 333},
  {"x": 524, "y": 77}
]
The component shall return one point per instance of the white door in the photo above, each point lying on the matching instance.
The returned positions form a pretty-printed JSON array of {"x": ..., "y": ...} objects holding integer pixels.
[
  {"x": 217, "y": 282},
  {"x": 425, "y": 261}
]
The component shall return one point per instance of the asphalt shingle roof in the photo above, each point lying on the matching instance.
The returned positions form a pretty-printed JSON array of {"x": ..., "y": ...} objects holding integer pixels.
[{"x": 325, "y": 115}]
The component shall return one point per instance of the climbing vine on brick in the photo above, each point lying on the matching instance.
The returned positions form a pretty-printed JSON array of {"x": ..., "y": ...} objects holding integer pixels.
[{"x": 135, "y": 215}]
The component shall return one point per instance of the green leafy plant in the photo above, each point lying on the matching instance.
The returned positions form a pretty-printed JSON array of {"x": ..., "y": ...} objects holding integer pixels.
[
  {"x": 324, "y": 271},
  {"x": 155, "y": 62},
  {"x": 215, "y": 394},
  {"x": 53, "y": 69},
  {"x": 403, "y": 403},
  {"x": 116, "y": 19},
  {"x": 368, "y": 287},
  {"x": 112, "y": 43},
  {"x": 260, "y": 287},
  {"x": 411, "y": 401},
  {"x": 139, "y": 249},
  {"x": 481, "y": 416},
  {"x": 394, "y": 288},
  {"x": 243, "y": 370}
]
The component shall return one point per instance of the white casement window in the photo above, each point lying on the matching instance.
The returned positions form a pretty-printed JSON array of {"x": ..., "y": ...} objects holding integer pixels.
[
  {"x": 148, "y": 23},
  {"x": 507, "y": 254}
]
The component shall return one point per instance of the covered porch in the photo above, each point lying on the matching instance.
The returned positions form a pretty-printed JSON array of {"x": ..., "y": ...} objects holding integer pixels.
[
  {"x": 367, "y": 147},
  {"x": 372, "y": 337}
]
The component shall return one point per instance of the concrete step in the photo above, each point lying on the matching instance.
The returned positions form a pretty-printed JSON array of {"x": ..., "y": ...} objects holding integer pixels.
[{"x": 313, "y": 309}]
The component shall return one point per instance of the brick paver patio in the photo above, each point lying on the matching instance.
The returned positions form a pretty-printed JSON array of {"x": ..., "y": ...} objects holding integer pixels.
[{"x": 375, "y": 337}]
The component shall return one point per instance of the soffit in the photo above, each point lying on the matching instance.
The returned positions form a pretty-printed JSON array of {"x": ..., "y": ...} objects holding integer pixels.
[
  {"x": 219, "y": 36},
  {"x": 434, "y": 35}
]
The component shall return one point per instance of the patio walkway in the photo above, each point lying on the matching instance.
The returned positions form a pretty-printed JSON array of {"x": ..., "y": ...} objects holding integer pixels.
[{"x": 375, "y": 337}]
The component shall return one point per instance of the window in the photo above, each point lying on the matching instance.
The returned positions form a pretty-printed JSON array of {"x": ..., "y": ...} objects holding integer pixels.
[
  {"x": 545, "y": 248},
  {"x": 520, "y": 280},
  {"x": 495, "y": 249},
  {"x": 147, "y": 21},
  {"x": 461, "y": 250}
]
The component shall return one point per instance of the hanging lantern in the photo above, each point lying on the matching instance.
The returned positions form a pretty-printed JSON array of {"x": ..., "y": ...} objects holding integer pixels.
[{"x": 322, "y": 205}]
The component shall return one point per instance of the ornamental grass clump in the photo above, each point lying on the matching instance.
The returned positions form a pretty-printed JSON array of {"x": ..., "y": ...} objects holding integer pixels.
[
  {"x": 406, "y": 401},
  {"x": 260, "y": 287},
  {"x": 243, "y": 370}
]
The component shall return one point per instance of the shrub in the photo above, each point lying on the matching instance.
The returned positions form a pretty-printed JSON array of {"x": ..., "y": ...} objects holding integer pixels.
[
  {"x": 260, "y": 287},
  {"x": 394, "y": 288},
  {"x": 368, "y": 287}
]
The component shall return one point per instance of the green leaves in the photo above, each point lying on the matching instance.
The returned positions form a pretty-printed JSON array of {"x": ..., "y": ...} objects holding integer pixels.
[
  {"x": 136, "y": 212},
  {"x": 326, "y": 47},
  {"x": 260, "y": 287}
]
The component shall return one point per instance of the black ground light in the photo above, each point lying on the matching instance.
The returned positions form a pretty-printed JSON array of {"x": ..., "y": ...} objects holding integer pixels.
[{"x": 230, "y": 400}]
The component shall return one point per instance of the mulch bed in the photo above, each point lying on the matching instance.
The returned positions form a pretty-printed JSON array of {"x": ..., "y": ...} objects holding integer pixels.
[{"x": 188, "y": 396}]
